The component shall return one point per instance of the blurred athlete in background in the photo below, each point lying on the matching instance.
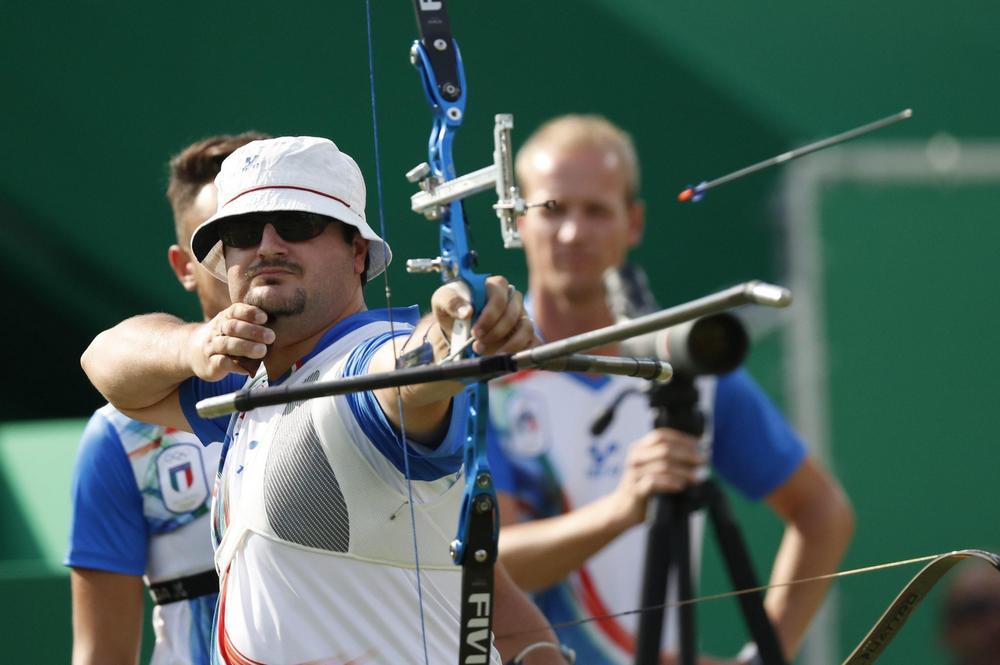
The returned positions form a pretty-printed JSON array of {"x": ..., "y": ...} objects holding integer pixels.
[
  {"x": 572, "y": 503},
  {"x": 141, "y": 492}
]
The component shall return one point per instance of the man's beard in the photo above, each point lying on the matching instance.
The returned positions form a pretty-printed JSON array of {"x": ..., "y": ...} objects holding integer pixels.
[{"x": 291, "y": 306}]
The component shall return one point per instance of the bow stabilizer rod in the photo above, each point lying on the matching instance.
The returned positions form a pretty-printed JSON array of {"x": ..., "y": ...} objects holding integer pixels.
[
  {"x": 472, "y": 369},
  {"x": 555, "y": 356},
  {"x": 753, "y": 292},
  {"x": 696, "y": 193}
]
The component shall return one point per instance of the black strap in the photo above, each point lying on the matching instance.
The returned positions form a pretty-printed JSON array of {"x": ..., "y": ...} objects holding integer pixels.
[{"x": 185, "y": 588}]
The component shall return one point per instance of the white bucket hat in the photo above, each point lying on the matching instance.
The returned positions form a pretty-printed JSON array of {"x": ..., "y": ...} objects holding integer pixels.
[{"x": 301, "y": 173}]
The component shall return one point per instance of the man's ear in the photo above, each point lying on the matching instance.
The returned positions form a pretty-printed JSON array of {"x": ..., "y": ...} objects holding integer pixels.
[
  {"x": 636, "y": 221},
  {"x": 361, "y": 249},
  {"x": 184, "y": 267}
]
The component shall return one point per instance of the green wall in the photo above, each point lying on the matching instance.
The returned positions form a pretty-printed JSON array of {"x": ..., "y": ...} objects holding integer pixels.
[
  {"x": 35, "y": 463},
  {"x": 907, "y": 338},
  {"x": 96, "y": 96}
]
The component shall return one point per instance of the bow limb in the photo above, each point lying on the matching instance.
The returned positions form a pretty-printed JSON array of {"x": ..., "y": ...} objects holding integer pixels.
[{"x": 892, "y": 620}]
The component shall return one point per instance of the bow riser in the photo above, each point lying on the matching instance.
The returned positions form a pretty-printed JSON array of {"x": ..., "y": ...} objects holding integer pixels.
[{"x": 437, "y": 59}]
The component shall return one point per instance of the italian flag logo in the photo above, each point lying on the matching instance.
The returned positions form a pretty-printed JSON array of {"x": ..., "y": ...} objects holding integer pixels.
[{"x": 181, "y": 477}]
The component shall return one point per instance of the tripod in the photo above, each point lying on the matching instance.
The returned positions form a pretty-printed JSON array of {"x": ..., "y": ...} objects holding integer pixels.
[{"x": 668, "y": 544}]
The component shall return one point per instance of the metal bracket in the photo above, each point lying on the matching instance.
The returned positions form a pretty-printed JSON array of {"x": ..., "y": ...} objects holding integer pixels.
[
  {"x": 437, "y": 264},
  {"x": 499, "y": 176}
]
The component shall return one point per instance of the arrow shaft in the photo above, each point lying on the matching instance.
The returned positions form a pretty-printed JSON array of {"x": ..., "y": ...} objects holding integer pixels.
[{"x": 695, "y": 193}]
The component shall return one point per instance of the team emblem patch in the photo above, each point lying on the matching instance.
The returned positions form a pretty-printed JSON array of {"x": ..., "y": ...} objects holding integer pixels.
[
  {"x": 528, "y": 425},
  {"x": 182, "y": 478}
]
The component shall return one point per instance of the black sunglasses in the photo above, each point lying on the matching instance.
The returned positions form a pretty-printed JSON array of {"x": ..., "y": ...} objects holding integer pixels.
[{"x": 246, "y": 231}]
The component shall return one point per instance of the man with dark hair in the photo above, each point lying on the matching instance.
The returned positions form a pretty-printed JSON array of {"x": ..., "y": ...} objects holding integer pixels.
[
  {"x": 141, "y": 492},
  {"x": 314, "y": 513}
]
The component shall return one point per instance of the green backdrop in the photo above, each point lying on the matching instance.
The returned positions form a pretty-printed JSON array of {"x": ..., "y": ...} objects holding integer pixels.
[{"x": 96, "y": 96}]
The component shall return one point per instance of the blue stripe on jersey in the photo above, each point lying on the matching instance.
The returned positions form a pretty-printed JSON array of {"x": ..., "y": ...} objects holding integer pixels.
[
  {"x": 501, "y": 465},
  {"x": 425, "y": 463},
  {"x": 193, "y": 390},
  {"x": 753, "y": 446},
  {"x": 407, "y": 316},
  {"x": 532, "y": 480}
]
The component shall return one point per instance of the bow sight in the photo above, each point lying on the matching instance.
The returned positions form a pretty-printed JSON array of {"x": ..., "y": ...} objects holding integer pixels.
[{"x": 436, "y": 193}]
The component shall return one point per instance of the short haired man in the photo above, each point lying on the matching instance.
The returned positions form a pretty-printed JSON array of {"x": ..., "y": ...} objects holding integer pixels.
[
  {"x": 141, "y": 492},
  {"x": 312, "y": 515},
  {"x": 572, "y": 503}
]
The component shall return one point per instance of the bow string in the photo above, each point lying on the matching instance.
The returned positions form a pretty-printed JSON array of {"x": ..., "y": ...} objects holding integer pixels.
[{"x": 878, "y": 637}]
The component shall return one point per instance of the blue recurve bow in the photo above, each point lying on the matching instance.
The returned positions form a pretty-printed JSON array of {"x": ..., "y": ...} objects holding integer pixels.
[{"x": 436, "y": 56}]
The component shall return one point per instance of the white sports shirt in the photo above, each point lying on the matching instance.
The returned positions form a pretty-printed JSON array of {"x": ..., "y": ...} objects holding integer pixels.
[{"x": 316, "y": 549}]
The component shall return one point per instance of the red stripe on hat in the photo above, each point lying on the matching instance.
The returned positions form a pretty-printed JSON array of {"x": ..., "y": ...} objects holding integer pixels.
[{"x": 301, "y": 189}]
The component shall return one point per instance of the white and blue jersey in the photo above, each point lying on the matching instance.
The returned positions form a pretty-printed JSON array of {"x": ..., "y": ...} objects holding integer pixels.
[
  {"x": 141, "y": 499},
  {"x": 315, "y": 543},
  {"x": 543, "y": 454}
]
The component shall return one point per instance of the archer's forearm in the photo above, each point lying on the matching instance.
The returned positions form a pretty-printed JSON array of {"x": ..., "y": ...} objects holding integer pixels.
[
  {"x": 518, "y": 624},
  {"x": 426, "y": 405},
  {"x": 140, "y": 361}
]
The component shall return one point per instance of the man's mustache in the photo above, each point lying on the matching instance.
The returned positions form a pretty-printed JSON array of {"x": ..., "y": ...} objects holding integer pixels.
[{"x": 263, "y": 264}]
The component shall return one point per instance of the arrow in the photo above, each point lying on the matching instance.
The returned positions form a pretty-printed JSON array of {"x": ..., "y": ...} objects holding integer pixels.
[{"x": 697, "y": 192}]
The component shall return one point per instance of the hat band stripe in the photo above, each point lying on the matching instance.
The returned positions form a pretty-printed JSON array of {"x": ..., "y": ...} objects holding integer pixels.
[{"x": 301, "y": 189}]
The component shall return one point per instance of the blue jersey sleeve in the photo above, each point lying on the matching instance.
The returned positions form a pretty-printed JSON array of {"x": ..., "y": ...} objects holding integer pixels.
[
  {"x": 754, "y": 448},
  {"x": 193, "y": 390},
  {"x": 107, "y": 530},
  {"x": 425, "y": 463}
]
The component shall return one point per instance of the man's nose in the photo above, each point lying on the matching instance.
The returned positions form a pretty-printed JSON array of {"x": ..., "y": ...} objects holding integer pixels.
[
  {"x": 569, "y": 230},
  {"x": 271, "y": 242}
]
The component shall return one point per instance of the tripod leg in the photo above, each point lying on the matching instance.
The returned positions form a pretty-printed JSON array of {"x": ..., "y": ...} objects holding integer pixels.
[
  {"x": 680, "y": 544},
  {"x": 742, "y": 576},
  {"x": 659, "y": 561},
  {"x": 668, "y": 552}
]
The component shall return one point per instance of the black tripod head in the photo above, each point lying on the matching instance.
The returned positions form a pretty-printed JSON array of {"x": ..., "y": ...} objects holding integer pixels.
[{"x": 715, "y": 344}]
